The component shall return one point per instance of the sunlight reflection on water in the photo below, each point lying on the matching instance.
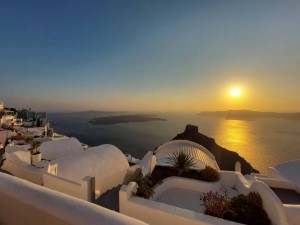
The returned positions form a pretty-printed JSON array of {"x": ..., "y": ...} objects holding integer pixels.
[{"x": 262, "y": 142}]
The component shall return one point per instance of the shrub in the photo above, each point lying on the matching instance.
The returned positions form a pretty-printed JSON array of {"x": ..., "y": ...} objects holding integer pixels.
[
  {"x": 215, "y": 204},
  {"x": 209, "y": 174},
  {"x": 29, "y": 140},
  {"x": 248, "y": 209},
  {"x": 181, "y": 161},
  {"x": 18, "y": 137},
  {"x": 145, "y": 187}
]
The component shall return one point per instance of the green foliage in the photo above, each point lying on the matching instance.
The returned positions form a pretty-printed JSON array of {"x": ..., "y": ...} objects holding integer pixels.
[
  {"x": 209, "y": 174},
  {"x": 145, "y": 187},
  {"x": 28, "y": 140},
  {"x": 34, "y": 146},
  {"x": 181, "y": 162},
  {"x": 246, "y": 209},
  {"x": 255, "y": 199}
]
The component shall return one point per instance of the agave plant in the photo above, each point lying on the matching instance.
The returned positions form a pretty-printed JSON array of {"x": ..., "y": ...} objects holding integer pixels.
[{"x": 182, "y": 161}]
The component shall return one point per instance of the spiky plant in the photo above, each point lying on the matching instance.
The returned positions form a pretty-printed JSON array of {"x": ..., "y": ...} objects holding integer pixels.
[{"x": 182, "y": 162}]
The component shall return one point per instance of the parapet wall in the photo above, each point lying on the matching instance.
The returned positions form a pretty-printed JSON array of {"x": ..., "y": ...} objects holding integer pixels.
[
  {"x": 156, "y": 213},
  {"x": 24, "y": 203}
]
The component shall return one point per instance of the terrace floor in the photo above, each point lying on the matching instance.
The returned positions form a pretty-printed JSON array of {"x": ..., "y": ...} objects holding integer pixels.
[
  {"x": 287, "y": 196},
  {"x": 181, "y": 198}
]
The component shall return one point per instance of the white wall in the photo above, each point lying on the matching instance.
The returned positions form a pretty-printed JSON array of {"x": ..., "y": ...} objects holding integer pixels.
[
  {"x": 26, "y": 172},
  {"x": 84, "y": 190},
  {"x": 24, "y": 203},
  {"x": 158, "y": 213},
  {"x": 294, "y": 212}
]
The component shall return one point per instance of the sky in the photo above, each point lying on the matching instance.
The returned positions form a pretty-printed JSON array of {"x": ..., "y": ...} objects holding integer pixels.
[{"x": 150, "y": 55}]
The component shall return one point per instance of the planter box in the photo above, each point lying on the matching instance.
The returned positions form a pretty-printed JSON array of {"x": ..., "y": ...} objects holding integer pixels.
[{"x": 36, "y": 158}]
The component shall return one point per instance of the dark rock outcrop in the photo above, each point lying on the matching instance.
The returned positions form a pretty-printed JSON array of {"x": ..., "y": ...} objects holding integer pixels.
[{"x": 226, "y": 159}]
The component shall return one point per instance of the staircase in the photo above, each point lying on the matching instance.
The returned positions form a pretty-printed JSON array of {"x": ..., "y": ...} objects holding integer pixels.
[{"x": 110, "y": 199}]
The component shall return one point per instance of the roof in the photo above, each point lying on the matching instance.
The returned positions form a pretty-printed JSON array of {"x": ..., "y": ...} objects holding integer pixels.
[
  {"x": 52, "y": 150},
  {"x": 100, "y": 162},
  {"x": 202, "y": 156}
]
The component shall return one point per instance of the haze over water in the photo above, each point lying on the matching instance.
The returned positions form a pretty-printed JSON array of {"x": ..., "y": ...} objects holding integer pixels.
[{"x": 262, "y": 142}]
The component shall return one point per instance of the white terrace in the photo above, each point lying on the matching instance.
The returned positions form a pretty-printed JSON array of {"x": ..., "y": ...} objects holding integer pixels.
[{"x": 177, "y": 200}]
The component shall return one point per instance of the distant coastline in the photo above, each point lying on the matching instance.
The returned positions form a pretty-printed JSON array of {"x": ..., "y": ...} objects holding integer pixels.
[
  {"x": 248, "y": 114},
  {"x": 108, "y": 120}
]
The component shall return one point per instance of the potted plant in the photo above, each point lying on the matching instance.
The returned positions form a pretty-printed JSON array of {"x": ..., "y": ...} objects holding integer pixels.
[
  {"x": 145, "y": 186},
  {"x": 36, "y": 156}
]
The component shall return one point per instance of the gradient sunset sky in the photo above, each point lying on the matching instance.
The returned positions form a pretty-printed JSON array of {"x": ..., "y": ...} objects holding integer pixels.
[{"x": 150, "y": 55}]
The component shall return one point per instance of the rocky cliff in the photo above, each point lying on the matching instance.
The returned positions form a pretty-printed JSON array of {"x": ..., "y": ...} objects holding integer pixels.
[{"x": 226, "y": 159}]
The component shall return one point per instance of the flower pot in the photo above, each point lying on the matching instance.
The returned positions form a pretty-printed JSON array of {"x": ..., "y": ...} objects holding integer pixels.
[{"x": 36, "y": 158}]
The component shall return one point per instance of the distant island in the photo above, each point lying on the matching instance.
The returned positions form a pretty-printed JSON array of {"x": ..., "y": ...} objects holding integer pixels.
[
  {"x": 98, "y": 112},
  {"x": 248, "y": 114},
  {"x": 108, "y": 120}
]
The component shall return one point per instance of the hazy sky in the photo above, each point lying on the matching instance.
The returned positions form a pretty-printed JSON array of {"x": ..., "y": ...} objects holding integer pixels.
[{"x": 150, "y": 55}]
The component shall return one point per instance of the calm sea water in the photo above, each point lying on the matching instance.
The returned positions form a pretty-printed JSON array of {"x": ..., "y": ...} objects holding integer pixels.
[{"x": 262, "y": 142}]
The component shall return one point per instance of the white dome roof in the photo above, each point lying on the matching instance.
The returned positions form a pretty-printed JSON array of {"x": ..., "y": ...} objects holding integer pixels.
[
  {"x": 100, "y": 162},
  {"x": 52, "y": 150}
]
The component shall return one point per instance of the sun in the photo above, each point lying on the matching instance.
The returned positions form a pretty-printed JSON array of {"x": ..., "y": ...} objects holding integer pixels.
[{"x": 235, "y": 92}]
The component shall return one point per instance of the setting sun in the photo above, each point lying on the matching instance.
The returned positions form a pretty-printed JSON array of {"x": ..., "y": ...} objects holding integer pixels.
[{"x": 235, "y": 92}]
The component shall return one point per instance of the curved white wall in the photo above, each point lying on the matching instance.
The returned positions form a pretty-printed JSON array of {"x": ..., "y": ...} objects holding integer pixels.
[{"x": 130, "y": 205}]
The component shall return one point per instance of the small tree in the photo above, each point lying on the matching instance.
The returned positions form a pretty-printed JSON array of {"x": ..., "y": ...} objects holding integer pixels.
[
  {"x": 34, "y": 147},
  {"x": 182, "y": 162},
  {"x": 28, "y": 140}
]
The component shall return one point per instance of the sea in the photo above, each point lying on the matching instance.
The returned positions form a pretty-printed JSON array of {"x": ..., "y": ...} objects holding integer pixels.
[{"x": 263, "y": 142}]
